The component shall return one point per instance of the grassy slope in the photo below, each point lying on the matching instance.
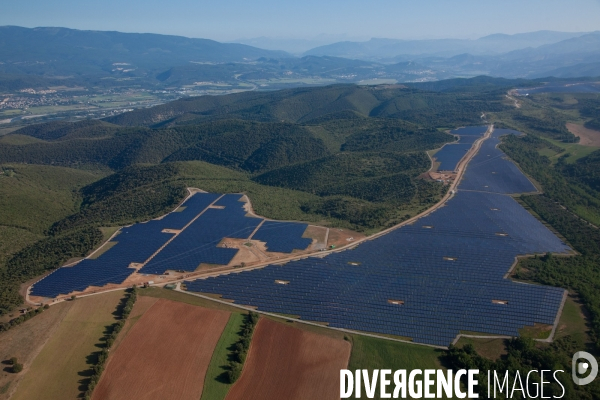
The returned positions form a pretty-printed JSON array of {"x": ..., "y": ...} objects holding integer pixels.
[
  {"x": 33, "y": 197},
  {"x": 60, "y": 370},
  {"x": 14, "y": 239},
  {"x": 573, "y": 322},
  {"x": 575, "y": 151},
  {"x": 25, "y": 341},
  {"x": 216, "y": 384}
]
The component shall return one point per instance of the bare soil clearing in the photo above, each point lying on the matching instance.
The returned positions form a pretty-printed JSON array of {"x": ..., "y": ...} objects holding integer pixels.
[
  {"x": 289, "y": 363},
  {"x": 25, "y": 342},
  {"x": 165, "y": 355},
  {"x": 342, "y": 237},
  {"x": 587, "y": 137}
]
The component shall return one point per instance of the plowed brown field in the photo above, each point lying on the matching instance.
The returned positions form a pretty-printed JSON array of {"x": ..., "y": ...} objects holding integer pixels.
[
  {"x": 292, "y": 364},
  {"x": 165, "y": 354}
]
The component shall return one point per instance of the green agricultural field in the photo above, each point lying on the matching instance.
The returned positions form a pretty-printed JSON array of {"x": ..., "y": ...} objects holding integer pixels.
[
  {"x": 574, "y": 150},
  {"x": 371, "y": 353},
  {"x": 61, "y": 369},
  {"x": 185, "y": 298},
  {"x": 10, "y": 113},
  {"x": 216, "y": 384}
]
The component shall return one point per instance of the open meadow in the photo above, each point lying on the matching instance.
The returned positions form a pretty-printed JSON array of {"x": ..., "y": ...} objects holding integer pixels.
[{"x": 61, "y": 369}]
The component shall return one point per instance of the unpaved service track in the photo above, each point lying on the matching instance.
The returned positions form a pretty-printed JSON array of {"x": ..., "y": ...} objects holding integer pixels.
[
  {"x": 165, "y": 355},
  {"x": 292, "y": 364}
]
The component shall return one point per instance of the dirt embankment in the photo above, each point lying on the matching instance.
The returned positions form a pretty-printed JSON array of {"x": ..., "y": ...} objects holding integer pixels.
[
  {"x": 165, "y": 355},
  {"x": 292, "y": 364},
  {"x": 587, "y": 137}
]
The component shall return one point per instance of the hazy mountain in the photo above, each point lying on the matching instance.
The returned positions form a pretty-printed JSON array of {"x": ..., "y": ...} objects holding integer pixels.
[
  {"x": 295, "y": 46},
  {"x": 556, "y": 59},
  {"x": 575, "y": 71},
  {"x": 38, "y": 57},
  {"x": 385, "y": 49},
  {"x": 60, "y": 50}
]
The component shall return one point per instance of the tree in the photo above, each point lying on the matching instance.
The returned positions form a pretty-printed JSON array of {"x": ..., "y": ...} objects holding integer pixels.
[
  {"x": 16, "y": 368},
  {"x": 235, "y": 371}
]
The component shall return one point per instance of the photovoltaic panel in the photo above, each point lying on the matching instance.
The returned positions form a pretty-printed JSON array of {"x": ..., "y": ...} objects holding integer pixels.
[
  {"x": 198, "y": 242},
  {"x": 283, "y": 237},
  {"x": 449, "y": 155},
  {"x": 447, "y": 268},
  {"x": 470, "y": 130},
  {"x": 134, "y": 244},
  {"x": 468, "y": 139},
  {"x": 491, "y": 170},
  {"x": 205, "y": 227}
]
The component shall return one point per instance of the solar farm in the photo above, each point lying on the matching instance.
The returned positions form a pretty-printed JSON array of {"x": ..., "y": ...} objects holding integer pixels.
[
  {"x": 429, "y": 281},
  {"x": 179, "y": 241},
  {"x": 491, "y": 171},
  {"x": 450, "y": 155}
]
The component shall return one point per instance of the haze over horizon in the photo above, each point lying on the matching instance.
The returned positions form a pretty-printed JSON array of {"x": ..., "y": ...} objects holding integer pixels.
[{"x": 314, "y": 21}]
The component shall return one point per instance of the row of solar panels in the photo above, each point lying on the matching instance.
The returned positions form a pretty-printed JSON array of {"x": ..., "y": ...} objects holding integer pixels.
[
  {"x": 196, "y": 244},
  {"x": 444, "y": 272}
]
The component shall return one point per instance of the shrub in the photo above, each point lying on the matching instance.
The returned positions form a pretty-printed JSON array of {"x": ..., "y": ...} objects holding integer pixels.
[
  {"x": 242, "y": 346},
  {"x": 235, "y": 371}
]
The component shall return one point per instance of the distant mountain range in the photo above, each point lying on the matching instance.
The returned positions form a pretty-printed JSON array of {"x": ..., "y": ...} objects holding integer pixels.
[
  {"x": 41, "y": 57},
  {"x": 40, "y": 49},
  {"x": 390, "y": 49}
]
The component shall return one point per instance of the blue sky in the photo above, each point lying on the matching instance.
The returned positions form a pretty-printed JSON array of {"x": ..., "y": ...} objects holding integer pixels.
[{"x": 232, "y": 19}]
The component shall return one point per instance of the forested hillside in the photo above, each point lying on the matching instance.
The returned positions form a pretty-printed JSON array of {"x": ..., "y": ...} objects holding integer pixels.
[{"x": 302, "y": 105}]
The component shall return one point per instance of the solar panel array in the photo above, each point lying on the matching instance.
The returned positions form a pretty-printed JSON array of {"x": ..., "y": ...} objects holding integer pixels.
[
  {"x": 470, "y": 130},
  {"x": 283, "y": 237},
  {"x": 135, "y": 244},
  {"x": 196, "y": 244},
  {"x": 468, "y": 139},
  {"x": 445, "y": 273},
  {"x": 449, "y": 156},
  {"x": 491, "y": 171}
]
